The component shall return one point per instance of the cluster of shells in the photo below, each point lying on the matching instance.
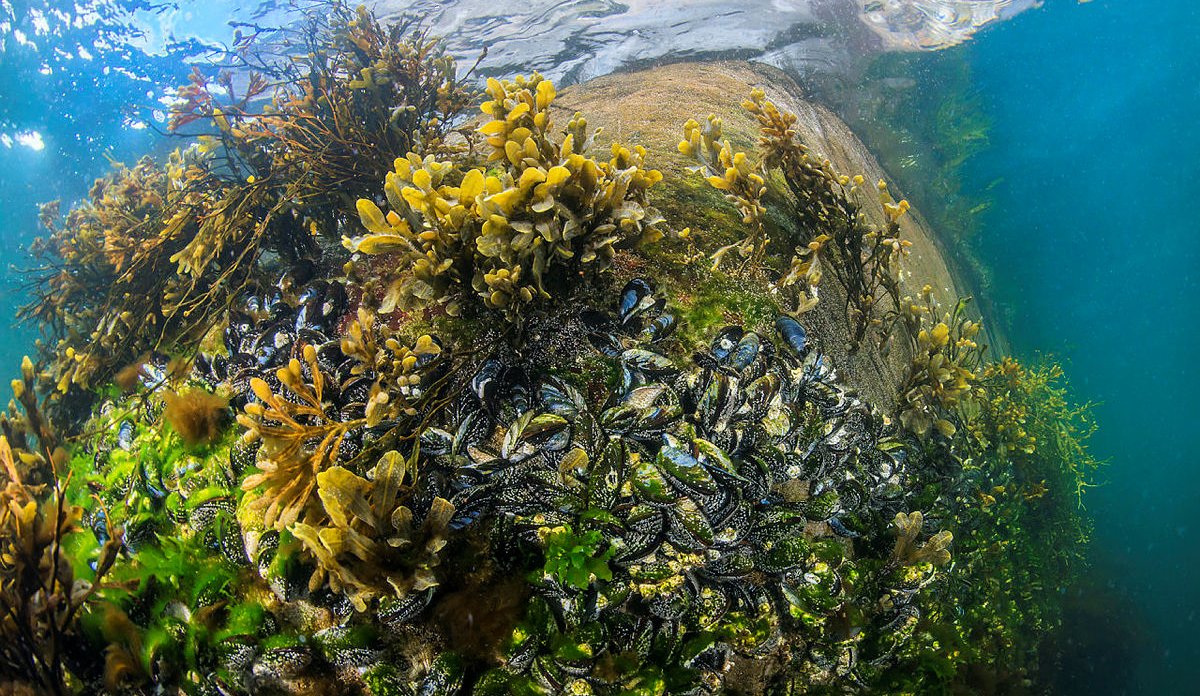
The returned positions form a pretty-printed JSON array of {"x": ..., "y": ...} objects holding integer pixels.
[{"x": 728, "y": 489}]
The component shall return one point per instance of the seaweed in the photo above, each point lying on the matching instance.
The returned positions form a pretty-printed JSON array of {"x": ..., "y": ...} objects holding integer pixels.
[
  {"x": 371, "y": 544},
  {"x": 943, "y": 372},
  {"x": 908, "y": 552},
  {"x": 837, "y": 239},
  {"x": 196, "y": 415},
  {"x": 278, "y": 162},
  {"x": 300, "y": 440},
  {"x": 41, "y": 596},
  {"x": 542, "y": 210}
]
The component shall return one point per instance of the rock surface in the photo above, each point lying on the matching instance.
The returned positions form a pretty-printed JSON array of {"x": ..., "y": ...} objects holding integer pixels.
[{"x": 649, "y": 107}]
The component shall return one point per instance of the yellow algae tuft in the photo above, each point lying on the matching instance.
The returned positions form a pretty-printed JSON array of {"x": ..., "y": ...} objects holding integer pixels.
[
  {"x": 196, "y": 415},
  {"x": 907, "y": 551},
  {"x": 543, "y": 206}
]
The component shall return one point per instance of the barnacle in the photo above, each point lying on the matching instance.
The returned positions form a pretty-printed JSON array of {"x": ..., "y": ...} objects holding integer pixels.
[
  {"x": 373, "y": 545},
  {"x": 544, "y": 206}
]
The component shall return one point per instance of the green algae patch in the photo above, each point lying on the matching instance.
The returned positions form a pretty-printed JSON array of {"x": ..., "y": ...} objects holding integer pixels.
[{"x": 721, "y": 301}]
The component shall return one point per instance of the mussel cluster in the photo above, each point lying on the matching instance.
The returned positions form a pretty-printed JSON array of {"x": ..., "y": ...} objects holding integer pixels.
[
  {"x": 726, "y": 488},
  {"x": 154, "y": 493},
  {"x": 270, "y": 330},
  {"x": 264, "y": 331},
  {"x": 726, "y": 493}
]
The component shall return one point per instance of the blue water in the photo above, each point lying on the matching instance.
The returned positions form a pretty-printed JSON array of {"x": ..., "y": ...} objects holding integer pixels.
[
  {"x": 1094, "y": 248},
  {"x": 1092, "y": 240}
]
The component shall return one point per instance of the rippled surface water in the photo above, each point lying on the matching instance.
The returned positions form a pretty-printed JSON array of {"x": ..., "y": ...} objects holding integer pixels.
[
  {"x": 584, "y": 38},
  {"x": 1090, "y": 239}
]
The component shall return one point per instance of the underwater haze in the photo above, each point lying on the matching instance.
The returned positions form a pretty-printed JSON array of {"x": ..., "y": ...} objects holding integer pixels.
[
  {"x": 1051, "y": 156},
  {"x": 1094, "y": 135}
]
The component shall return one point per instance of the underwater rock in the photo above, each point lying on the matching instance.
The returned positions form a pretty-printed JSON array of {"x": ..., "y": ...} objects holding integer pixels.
[
  {"x": 659, "y": 472},
  {"x": 647, "y": 107}
]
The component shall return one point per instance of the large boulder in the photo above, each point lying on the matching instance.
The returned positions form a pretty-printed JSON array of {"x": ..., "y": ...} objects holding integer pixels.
[{"x": 648, "y": 107}]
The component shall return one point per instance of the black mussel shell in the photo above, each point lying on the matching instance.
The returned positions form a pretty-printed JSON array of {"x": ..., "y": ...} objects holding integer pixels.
[
  {"x": 282, "y": 663},
  {"x": 273, "y": 347},
  {"x": 396, "y": 612},
  {"x": 793, "y": 335},
  {"x": 300, "y": 273},
  {"x": 487, "y": 382},
  {"x": 660, "y": 329},
  {"x": 726, "y": 341},
  {"x": 636, "y": 298},
  {"x": 321, "y": 306},
  {"x": 243, "y": 455},
  {"x": 745, "y": 351},
  {"x": 239, "y": 333}
]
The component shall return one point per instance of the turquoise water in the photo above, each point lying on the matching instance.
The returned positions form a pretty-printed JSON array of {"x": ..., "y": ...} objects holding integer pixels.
[{"x": 1092, "y": 243}]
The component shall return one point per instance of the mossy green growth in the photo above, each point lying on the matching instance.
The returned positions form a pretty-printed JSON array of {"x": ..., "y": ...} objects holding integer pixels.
[
  {"x": 166, "y": 611},
  {"x": 720, "y": 301},
  {"x": 575, "y": 558},
  {"x": 1020, "y": 535}
]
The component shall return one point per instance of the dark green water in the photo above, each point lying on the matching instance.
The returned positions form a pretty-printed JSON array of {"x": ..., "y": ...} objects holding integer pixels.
[{"x": 1092, "y": 242}]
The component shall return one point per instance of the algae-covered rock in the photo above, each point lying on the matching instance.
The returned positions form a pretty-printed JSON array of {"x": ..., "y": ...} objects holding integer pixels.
[
  {"x": 558, "y": 415},
  {"x": 646, "y": 107}
]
